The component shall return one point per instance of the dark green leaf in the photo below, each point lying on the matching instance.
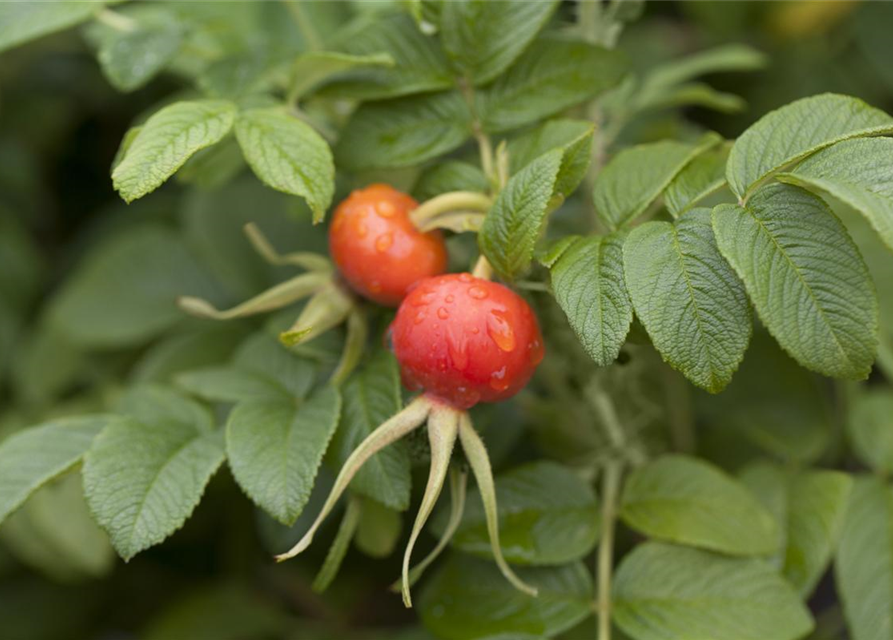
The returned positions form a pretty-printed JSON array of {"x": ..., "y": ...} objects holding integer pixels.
[
  {"x": 573, "y": 137},
  {"x": 703, "y": 176},
  {"x": 451, "y": 175},
  {"x": 23, "y": 21},
  {"x": 870, "y": 428}
]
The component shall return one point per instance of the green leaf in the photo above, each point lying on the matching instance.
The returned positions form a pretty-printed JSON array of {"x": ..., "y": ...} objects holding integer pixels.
[
  {"x": 264, "y": 355},
  {"x": 213, "y": 167},
  {"x": 288, "y": 155},
  {"x": 636, "y": 176},
  {"x": 371, "y": 396},
  {"x": 313, "y": 68},
  {"x": 590, "y": 288},
  {"x": 145, "y": 474},
  {"x": 870, "y": 428},
  {"x": 805, "y": 277},
  {"x": 229, "y": 384},
  {"x": 662, "y": 592},
  {"x": 131, "y": 58},
  {"x": 33, "y": 457},
  {"x": 24, "y": 21},
  {"x": 275, "y": 448},
  {"x": 688, "y": 501},
  {"x": 400, "y": 133},
  {"x": 573, "y": 137},
  {"x": 689, "y": 299},
  {"x": 516, "y": 220},
  {"x": 379, "y": 529},
  {"x": 796, "y": 130},
  {"x": 858, "y": 172},
  {"x": 482, "y": 38},
  {"x": 864, "y": 561},
  {"x": 167, "y": 140},
  {"x": 547, "y": 516},
  {"x": 125, "y": 292},
  {"x": 469, "y": 599},
  {"x": 702, "y": 177},
  {"x": 810, "y": 505},
  {"x": 552, "y": 75},
  {"x": 451, "y": 175},
  {"x": 419, "y": 64}
]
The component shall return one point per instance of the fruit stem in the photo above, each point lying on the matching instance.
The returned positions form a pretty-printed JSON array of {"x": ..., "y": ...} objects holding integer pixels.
[
  {"x": 413, "y": 415},
  {"x": 328, "y": 307},
  {"x": 479, "y": 461},
  {"x": 276, "y": 297},
  {"x": 443, "y": 424},
  {"x": 463, "y": 201},
  {"x": 304, "y": 259},
  {"x": 483, "y": 269},
  {"x": 605, "y": 561},
  {"x": 354, "y": 344}
]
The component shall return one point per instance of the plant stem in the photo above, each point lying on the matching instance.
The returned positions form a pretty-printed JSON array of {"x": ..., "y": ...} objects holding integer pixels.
[
  {"x": 605, "y": 562},
  {"x": 304, "y": 25},
  {"x": 115, "y": 20}
]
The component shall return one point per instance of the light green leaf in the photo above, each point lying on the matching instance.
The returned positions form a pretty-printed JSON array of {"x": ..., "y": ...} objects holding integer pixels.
[
  {"x": 313, "y": 68},
  {"x": 636, "y": 176},
  {"x": 482, "y": 37},
  {"x": 796, "y": 130},
  {"x": 858, "y": 172},
  {"x": 870, "y": 428},
  {"x": 275, "y": 449},
  {"x": 547, "y": 516},
  {"x": 589, "y": 286},
  {"x": 264, "y": 355},
  {"x": 131, "y": 58},
  {"x": 573, "y": 137},
  {"x": 552, "y": 75},
  {"x": 689, "y": 299},
  {"x": 419, "y": 63},
  {"x": 399, "y": 133},
  {"x": 469, "y": 599},
  {"x": 805, "y": 277},
  {"x": 229, "y": 384},
  {"x": 702, "y": 177},
  {"x": 688, "y": 501},
  {"x": 213, "y": 167},
  {"x": 451, "y": 175},
  {"x": 371, "y": 396},
  {"x": 288, "y": 155},
  {"x": 662, "y": 592},
  {"x": 24, "y": 21},
  {"x": 144, "y": 475},
  {"x": 516, "y": 220},
  {"x": 863, "y": 566},
  {"x": 33, "y": 457},
  {"x": 125, "y": 292},
  {"x": 167, "y": 140}
]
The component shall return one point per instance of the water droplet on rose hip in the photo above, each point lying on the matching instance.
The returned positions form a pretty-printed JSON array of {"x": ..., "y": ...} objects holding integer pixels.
[
  {"x": 498, "y": 381},
  {"x": 385, "y": 209},
  {"x": 361, "y": 230},
  {"x": 478, "y": 293},
  {"x": 500, "y": 331},
  {"x": 457, "y": 348},
  {"x": 450, "y": 297},
  {"x": 424, "y": 299},
  {"x": 420, "y": 317},
  {"x": 465, "y": 277},
  {"x": 384, "y": 242},
  {"x": 442, "y": 313}
]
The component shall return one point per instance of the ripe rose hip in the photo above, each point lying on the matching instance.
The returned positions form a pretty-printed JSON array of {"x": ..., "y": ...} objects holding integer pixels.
[
  {"x": 377, "y": 249},
  {"x": 466, "y": 340}
]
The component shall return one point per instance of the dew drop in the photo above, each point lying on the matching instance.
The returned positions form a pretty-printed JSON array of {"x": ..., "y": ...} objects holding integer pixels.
[
  {"x": 420, "y": 317},
  {"x": 500, "y": 330},
  {"x": 536, "y": 352},
  {"x": 498, "y": 380},
  {"x": 475, "y": 330},
  {"x": 465, "y": 277},
  {"x": 442, "y": 313},
  {"x": 450, "y": 297},
  {"x": 385, "y": 209},
  {"x": 458, "y": 349},
  {"x": 424, "y": 299},
  {"x": 478, "y": 293},
  {"x": 361, "y": 230},
  {"x": 384, "y": 242}
]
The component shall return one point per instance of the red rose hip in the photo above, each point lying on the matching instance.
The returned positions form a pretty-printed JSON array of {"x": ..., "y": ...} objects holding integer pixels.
[
  {"x": 378, "y": 250},
  {"x": 466, "y": 340}
]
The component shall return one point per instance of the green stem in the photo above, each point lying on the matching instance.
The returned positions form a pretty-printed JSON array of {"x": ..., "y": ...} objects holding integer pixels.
[
  {"x": 681, "y": 421},
  {"x": 115, "y": 20},
  {"x": 314, "y": 43},
  {"x": 281, "y": 295},
  {"x": 449, "y": 202},
  {"x": 339, "y": 547},
  {"x": 605, "y": 562}
]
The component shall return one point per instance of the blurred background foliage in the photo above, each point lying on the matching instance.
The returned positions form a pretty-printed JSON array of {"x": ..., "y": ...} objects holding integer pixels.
[{"x": 67, "y": 346}]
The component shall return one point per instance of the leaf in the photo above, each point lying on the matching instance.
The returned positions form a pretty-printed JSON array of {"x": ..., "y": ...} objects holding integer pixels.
[
  {"x": 229, "y": 384},
  {"x": 33, "y": 457},
  {"x": 547, "y": 516},
  {"x": 700, "y": 178},
  {"x": 167, "y": 140},
  {"x": 275, "y": 448},
  {"x": 573, "y": 137},
  {"x": 662, "y": 592},
  {"x": 482, "y": 38},
  {"x": 379, "y": 530},
  {"x": 400, "y": 133},
  {"x": 264, "y": 355},
  {"x": 469, "y": 599},
  {"x": 289, "y": 156},
  {"x": 870, "y": 428},
  {"x": 24, "y": 21},
  {"x": 419, "y": 64},
  {"x": 864, "y": 561},
  {"x": 636, "y": 176},
  {"x": 131, "y": 58},
  {"x": 858, "y": 172},
  {"x": 515, "y": 222},
  {"x": 371, "y": 396},
  {"x": 588, "y": 284},
  {"x": 125, "y": 291},
  {"x": 810, "y": 505},
  {"x": 552, "y": 75},
  {"x": 688, "y": 501},
  {"x": 805, "y": 277},
  {"x": 313, "y": 68},
  {"x": 796, "y": 130},
  {"x": 451, "y": 175},
  {"x": 689, "y": 299},
  {"x": 145, "y": 474}
]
